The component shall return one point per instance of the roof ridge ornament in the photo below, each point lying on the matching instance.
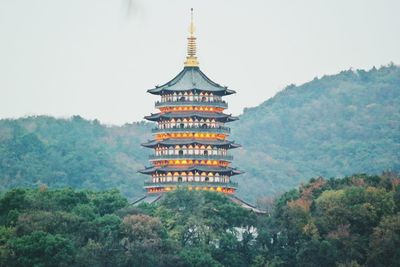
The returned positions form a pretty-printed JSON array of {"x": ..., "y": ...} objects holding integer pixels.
[{"x": 191, "y": 58}]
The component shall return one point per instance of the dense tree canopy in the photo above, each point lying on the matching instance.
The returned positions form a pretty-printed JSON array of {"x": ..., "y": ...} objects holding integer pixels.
[{"x": 353, "y": 221}]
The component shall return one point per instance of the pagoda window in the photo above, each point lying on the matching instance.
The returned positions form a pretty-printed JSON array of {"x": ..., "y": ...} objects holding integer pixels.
[
  {"x": 179, "y": 179},
  {"x": 206, "y": 179},
  {"x": 180, "y": 153}
]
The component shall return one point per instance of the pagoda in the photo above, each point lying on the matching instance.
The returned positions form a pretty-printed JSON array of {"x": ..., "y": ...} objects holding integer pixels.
[{"x": 191, "y": 137}]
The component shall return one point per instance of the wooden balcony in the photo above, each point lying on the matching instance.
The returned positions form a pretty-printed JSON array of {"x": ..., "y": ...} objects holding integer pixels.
[
  {"x": 192, "y": 183},
  {"x": 194, "y": 156},
  {"x": 194, "y": 103},
  {"x": 224, "y": 130}
]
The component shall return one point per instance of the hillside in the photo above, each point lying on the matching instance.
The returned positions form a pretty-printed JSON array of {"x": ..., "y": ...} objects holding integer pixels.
[
  {"x": 333, "y": 126},
  {"x": 72, "y": 152}
]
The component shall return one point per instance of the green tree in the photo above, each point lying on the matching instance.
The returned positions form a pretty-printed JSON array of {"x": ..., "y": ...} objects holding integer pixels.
[
  {"x": 41, "y": 249},
  {"x": 385, "y": 243}
]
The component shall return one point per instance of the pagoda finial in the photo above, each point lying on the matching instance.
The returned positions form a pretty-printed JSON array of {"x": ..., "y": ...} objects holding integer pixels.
[{"x": 191, "y": 59}]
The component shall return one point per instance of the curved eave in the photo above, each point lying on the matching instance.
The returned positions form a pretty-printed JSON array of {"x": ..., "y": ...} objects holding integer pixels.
[
  {"x": 231, "y": 171},
  {"x": 158, "y": 91},
  {"x": 206, "y": 115},
  {"x": 174, "y": 142},
  {"x": 191, "y": 79}
]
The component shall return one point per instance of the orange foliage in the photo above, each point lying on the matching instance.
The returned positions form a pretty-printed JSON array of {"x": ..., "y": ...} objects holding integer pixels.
[{"x": 301, "y": 203}]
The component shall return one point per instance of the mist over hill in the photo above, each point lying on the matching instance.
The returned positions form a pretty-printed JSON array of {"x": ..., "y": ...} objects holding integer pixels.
[{"x": 333, "y": 126}]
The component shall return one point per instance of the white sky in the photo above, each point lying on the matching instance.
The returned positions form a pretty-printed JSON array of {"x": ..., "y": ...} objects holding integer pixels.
[{"x": 97, "y": 58}]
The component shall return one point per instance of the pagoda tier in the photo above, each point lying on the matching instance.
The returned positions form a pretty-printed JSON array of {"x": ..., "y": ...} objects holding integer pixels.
[
  {"x": 194, "y": 168},
  {"x": 193, "y": 115},
  {"x": 191, "y": 146},
  {"x": 173, "y": 142}
]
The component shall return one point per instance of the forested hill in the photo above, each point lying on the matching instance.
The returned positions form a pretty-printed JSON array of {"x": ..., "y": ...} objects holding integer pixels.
[
  {"x": 334, "y": 126},
  {"x": 72, "y": 152}
]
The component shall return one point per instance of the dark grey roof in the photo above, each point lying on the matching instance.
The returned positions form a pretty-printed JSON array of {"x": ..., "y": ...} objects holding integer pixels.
[
  {"x": 199, "y": 168},
  {"x": 191, "y": 114},
  {"x": 192, "y": 78},
  {"x": 149, "y": 199},
  {"x": 173, "y": 142},
  {"x": 246, "y": 205}
]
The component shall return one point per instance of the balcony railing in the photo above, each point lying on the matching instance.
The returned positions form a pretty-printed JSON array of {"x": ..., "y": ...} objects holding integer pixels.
[
  {"x": 192, "y": 183},
  {"x": 188, "y": 156},
  {"x": 214, "y": 103},
  {"x": 221, "y": 129}
]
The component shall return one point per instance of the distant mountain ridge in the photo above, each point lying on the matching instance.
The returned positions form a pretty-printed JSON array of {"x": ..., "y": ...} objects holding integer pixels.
[{"x": 333, "y": 126}]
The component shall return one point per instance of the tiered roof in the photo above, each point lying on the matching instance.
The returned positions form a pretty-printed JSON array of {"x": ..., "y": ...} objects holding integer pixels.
[
  {"x": 191, "y": 114},
  {"x": 174, "y": 142},
  {"x": 198, "y": 168},
  {"x": 191, "y": 79}
]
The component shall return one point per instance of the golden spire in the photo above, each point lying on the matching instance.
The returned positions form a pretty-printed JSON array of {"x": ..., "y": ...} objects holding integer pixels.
[{"x": 191, "y": 59}]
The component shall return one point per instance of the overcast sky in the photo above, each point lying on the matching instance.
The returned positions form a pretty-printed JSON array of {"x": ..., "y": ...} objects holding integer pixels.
[{"x": 97, "y": 58}]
